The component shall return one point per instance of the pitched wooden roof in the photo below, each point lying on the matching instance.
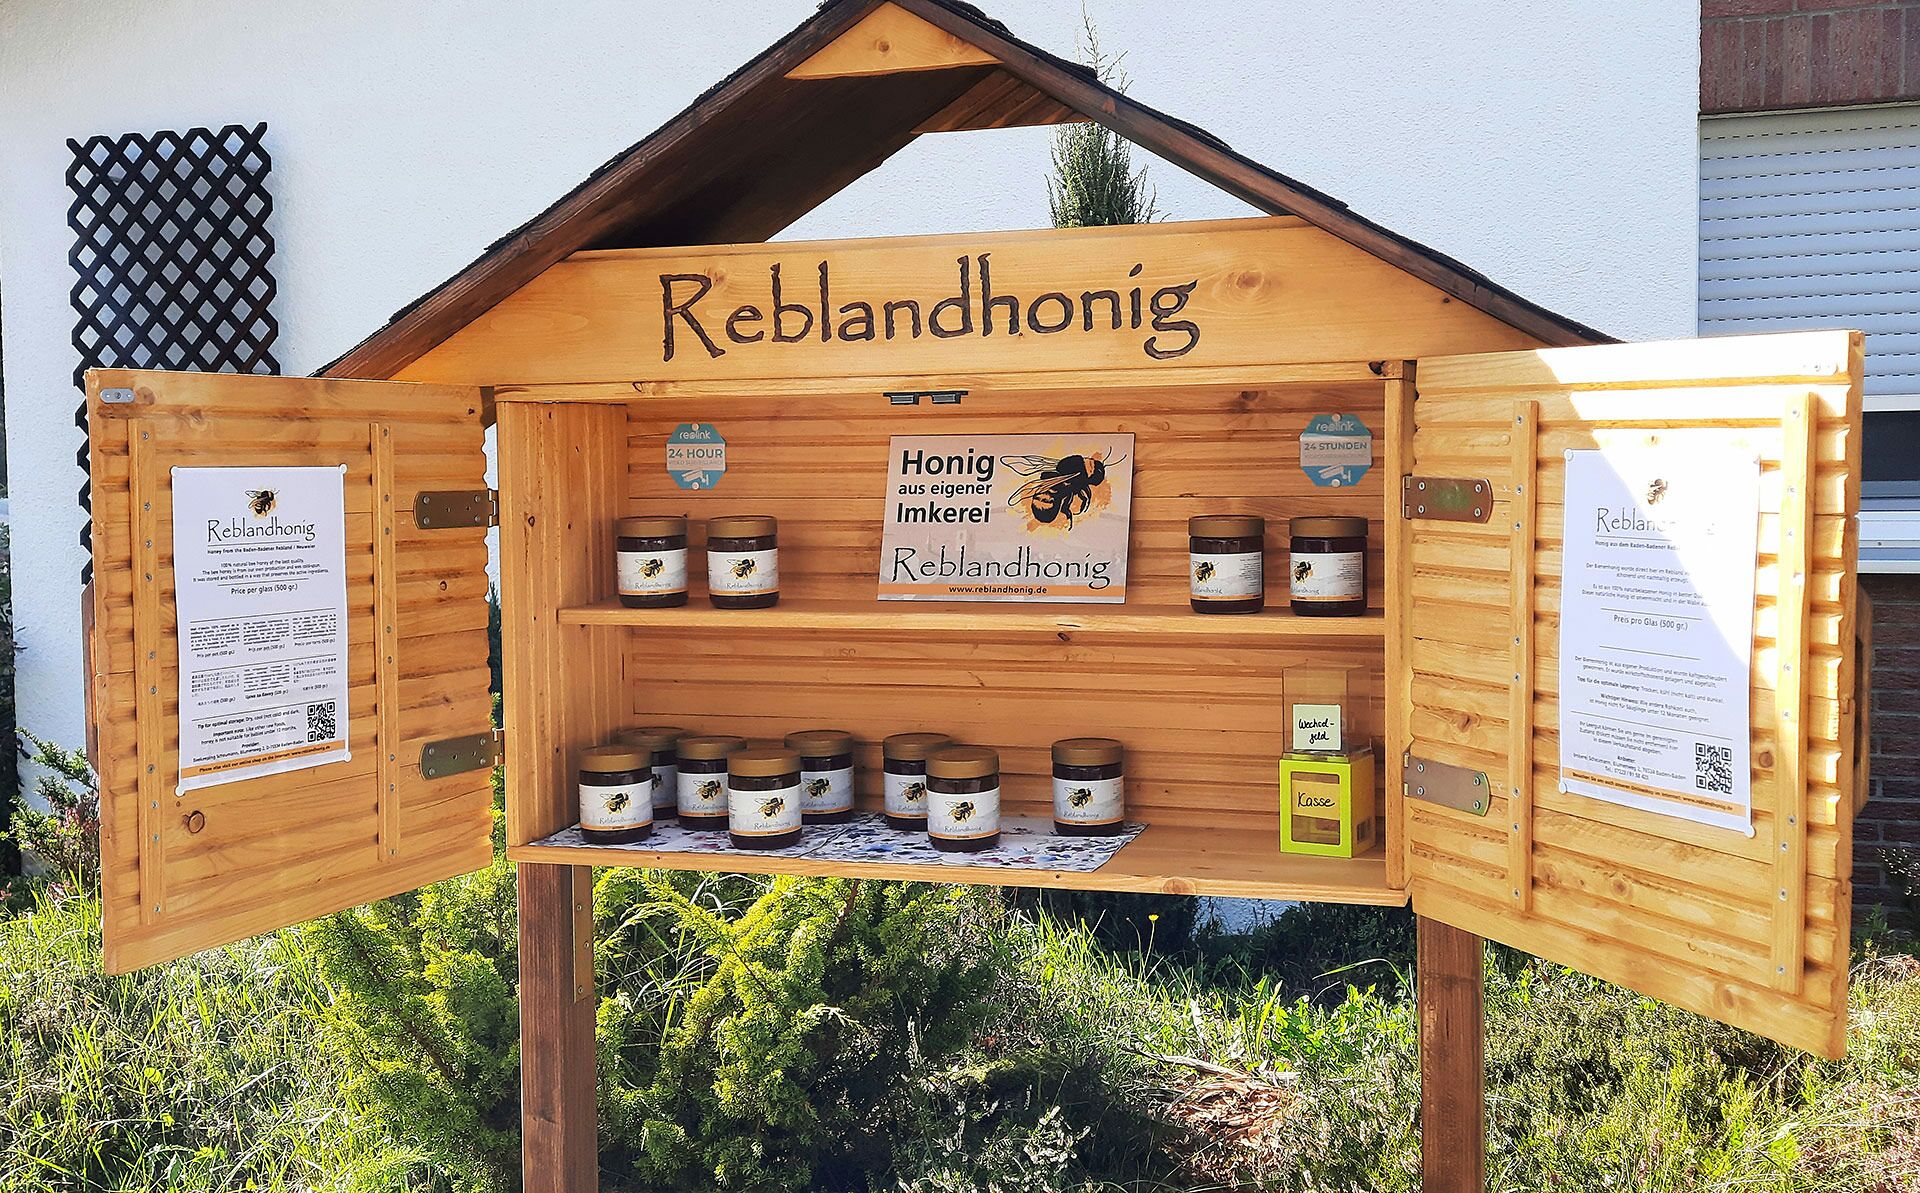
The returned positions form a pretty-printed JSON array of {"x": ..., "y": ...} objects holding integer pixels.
[{"x": 830, "y": 101}]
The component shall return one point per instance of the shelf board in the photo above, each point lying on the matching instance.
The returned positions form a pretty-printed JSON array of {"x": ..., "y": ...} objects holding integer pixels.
[
  {"x": 1164, "y": 859},
  {"x": 968, "y": 618}
]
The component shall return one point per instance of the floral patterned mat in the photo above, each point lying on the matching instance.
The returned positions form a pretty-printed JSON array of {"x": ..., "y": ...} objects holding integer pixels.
[
  {"x": 670, "y": 837},
  {"x": 1025, "y": 844}
]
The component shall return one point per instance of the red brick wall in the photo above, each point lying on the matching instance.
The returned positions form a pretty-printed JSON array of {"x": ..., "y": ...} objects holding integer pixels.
[
  {"x": 1889, "y": 824},
  {"x": 1758, "y": 54}
]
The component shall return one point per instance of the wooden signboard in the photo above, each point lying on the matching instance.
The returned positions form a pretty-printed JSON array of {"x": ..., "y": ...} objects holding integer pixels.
[{"x": 1240, "y": 292}]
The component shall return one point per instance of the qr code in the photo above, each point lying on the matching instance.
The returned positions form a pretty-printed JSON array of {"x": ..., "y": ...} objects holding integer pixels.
[
  {"x": 320, "y": 723},
  {"x": 1713, "y": 768}
]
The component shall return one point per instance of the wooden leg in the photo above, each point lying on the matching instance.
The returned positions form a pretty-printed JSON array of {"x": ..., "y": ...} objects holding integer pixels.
[
  {"x": 1453, "y": 1124},
  {"x": 559, "y": 1127}
]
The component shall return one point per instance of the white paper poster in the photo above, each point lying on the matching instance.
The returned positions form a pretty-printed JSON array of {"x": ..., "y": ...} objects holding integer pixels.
[
  {"x": 1656, "y": 629},
  {"x": 260, "y": 577}
]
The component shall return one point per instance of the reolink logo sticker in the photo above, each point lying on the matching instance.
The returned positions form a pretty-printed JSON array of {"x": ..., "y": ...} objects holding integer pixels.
[
  {"x": 1336, "y": 450},
  {"x": 696, "y": 455}
]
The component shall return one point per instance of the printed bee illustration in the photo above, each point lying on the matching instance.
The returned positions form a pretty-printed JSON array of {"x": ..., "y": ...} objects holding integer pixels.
[
  {"x": 963, "y": 811},
  {"x": 652, "y": 567},
  {"x": 262, "y": 501},
  {"x": 819, "y": 787},
  {"x": 618, "y": 801},
  {"x": 742, "y": 568},
  {"x": 1080, "y": 797},
  {"x": 770, "y": 808},
  {"x": 1062, "y": 487},
  {"x": 1656, "y": 490},
  {"x": 1203, "y": 571},
  {"x": 1302, "y": 569},
  {"x": 913, "y": 793},
  {"x": 708, "y": 790},
  {"x": 659, "y": 781}
]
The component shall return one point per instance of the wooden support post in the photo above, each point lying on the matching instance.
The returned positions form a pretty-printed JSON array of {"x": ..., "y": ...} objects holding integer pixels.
[
  {"x": 559, "y": 1128},
  {"x": 1453, "y": 1128}
]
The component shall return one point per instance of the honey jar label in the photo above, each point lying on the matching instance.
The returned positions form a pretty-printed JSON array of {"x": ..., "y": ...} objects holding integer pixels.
[
  {"x": 651, "y": 573},
  {"x": 702, "y": 795},
  {"x": 743, "y": 573},
  {"x": 906, "y": 795},
  {"x": 1227, "y": 577},
  {"x": 1089, "y": 801},
  {"x": 1333, "y": 576},
  {"x": 963, "y": 817},
  {"x": 666, "y": 787},
  {"x": 764, "y": 813},
  {"x": 627, "y": 805},
  {"x": 826, "y": 790}
]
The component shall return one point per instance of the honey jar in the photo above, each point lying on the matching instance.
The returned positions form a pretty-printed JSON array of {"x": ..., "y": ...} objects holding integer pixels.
[
  {"x": 1089, "y": 798},
  {"x": 702, "y": 795},
  {"x": 1227, "y": 563},
  {"x": 743, "y": 562},
  {"x": 904, "y": 761},
  {"x": 963, "y": 799},
  {"x": 763, "y": 797},
  {"x": 660, "y": 742},
  {"x": 650, "y": 561},
  {"x": 826, "y": 774},
  {"x": 616, "y": 795}
]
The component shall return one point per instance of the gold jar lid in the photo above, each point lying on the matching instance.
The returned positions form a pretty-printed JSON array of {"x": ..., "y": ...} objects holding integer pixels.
[
  {"x": 820, "y": 743},
  {"x": 1328, "y": 528},
  {"x": 613, "y": 759},
  {"x": 710, "y": 746},
  {"x": 963, "y": 762},
  {"x": 651, "y": 737},
  {"x": 1226, "y": 526},
  {"x": 761, "y": 762},
  {"x": 913, "y": 747},
  {"x": 656, "y": 526},
  {"x": 1088, "y": 751},
  {"x": 741, "y": 526}
]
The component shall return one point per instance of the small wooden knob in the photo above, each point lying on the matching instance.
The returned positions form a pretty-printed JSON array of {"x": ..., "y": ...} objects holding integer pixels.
[{"x": 196, "y": 820}]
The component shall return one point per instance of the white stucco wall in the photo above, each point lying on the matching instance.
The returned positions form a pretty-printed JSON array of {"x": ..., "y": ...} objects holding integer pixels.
[{"x": 1548, "y": 143}]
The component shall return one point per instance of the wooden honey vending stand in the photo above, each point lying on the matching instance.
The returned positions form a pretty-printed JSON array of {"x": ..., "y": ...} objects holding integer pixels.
[{"x": 641, "y": 302}]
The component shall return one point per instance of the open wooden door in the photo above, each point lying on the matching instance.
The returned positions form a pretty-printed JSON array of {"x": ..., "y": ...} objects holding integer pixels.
[
  {"x": 188, "y": 870},
  {"x": 1749, "y": 929}
]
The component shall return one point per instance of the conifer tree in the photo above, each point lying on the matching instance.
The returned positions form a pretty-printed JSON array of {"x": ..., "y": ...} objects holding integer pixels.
[{"x": 1094, "y": 183}]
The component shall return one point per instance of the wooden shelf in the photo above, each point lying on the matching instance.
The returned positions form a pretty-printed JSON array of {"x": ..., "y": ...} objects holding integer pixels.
[
  {"x": 961, "y": 618},
  {"x": 1164, "y": 859}
]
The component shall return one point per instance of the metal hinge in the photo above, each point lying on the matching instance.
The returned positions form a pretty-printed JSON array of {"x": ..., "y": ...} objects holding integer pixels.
[
  {"x": 448, "y": 509},
  {"x": 1446, "y": 498},
  {"x": 1445, "y": 784},
  {"x": 457, "y": 755}
]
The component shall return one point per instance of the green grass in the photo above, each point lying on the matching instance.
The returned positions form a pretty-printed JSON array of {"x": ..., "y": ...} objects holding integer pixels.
[
  {"x": 1589, "y": 1086},
  {"x": 199, "y": 1075},
  {"x": 1094, "y": 1071}
]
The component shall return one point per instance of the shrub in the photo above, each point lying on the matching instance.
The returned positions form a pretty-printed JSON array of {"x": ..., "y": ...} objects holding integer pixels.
[
  {"x": 196, "y": 1075},
  {"x": 63, "y": 839},
  {"x": 420, "y": 994},
  {"x": 793, "y": 1062}
]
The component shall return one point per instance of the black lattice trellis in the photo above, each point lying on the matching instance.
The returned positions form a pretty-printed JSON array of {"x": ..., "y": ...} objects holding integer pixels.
[{"x": 172, "y": 251}]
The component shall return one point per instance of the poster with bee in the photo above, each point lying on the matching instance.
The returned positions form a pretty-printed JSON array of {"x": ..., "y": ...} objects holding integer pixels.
[
  {"x": 260, "y": 583},
  {"x": 1656, "y": 632},
  {"x": 1040, "y": 518}
]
